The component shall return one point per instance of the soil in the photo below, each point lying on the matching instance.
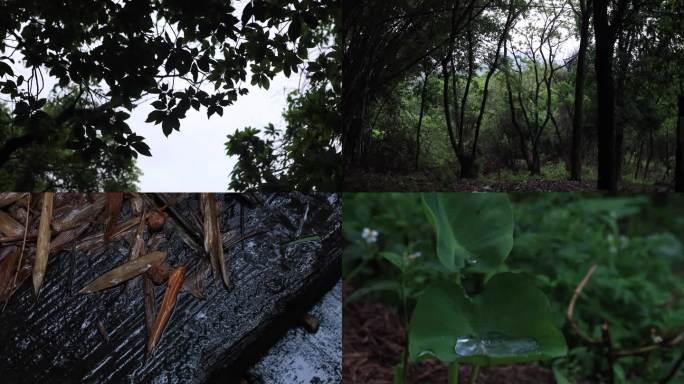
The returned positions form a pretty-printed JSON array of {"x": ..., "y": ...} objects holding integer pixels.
[
  {"x": 373, "y": 344},
  {"x": 369, "y": 181}
]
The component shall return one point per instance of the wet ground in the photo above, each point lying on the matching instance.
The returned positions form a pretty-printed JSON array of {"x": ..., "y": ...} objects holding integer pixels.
[
  {"x": 55, "y": 337},
  {"x": 302, "y": 357}
]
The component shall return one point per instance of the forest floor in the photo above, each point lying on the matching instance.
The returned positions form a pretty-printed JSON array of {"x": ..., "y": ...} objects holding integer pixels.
[
  {"x": 368, "y": 181},
  {"x": 373, "y": 344}
]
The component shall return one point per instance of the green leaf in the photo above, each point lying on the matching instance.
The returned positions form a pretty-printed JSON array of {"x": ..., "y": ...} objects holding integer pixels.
[
  {"x": 396, "y": 259},
  {"x": 295, "y": 29},
  {"x": 509, "y": 322},
  {"x": 156, "y": 117},
  {"x": 376, "y": 286},
  {"x": 142, "y": 148},
  {"x": 471, "y": 227},
  {"x": 560, "y": 376},
  {"x": 5, "y": 69}
]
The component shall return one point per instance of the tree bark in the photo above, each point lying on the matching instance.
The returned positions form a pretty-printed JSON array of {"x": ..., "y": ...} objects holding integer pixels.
[
  {"x": 605, "y": 45},
  {"x": 650, "y": 153},
  {"x": 447, "y": 115},
  {"x": 679, "y": 165},
  {"x": 423, "y": 97},
  {"x": 580, "y": 81}
]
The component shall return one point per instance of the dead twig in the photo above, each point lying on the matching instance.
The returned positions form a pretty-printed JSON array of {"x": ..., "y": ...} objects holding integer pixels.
[
  {"x": 571, "y": 306},
  {"x": 670, "y": 375},
  {"x": 608, "y": 346}
]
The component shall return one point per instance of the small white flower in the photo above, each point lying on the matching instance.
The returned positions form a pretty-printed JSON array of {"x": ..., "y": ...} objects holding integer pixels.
[
  {"x": 414, "y": 255},
  {"x": 370, "y": 235},
  {"x": 624, "y": 242}
]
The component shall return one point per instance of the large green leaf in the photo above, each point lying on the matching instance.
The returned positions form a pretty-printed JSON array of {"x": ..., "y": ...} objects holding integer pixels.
[
  {"x": 476, "y": 228},
  {"x": 509, "y": 322}
]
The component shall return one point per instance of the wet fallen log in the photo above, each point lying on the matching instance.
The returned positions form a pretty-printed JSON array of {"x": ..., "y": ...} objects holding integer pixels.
[{"x": 290, "y": 258}]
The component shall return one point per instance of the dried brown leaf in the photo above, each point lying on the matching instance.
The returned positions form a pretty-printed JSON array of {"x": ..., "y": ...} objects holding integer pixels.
[
  {"x": 213, "y": 243},
  {"x": 43, "y": 242},
  {"x": 137, "y": 245},
  {"x": 176, "y": 279},
  {"x": 80, "y": 215},
  {"x": 124, "y": 272},
  {"x": 7, "y": 198},
  {"x": 9, "y": 257},
  {"x": 64, "y": 239},
  {"x": 114, "y": 202},
  {"x": 150, "y": 304},
  {"x": 97, "y": 240},
  {"x": 10, "y": 227},
  {"x": 137, "y": 203}
]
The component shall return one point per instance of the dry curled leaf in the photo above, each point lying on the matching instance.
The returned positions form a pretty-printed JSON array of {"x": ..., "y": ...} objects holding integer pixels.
[
  {"x": 10, "y": 227},
  {"x": 124, "y": 272},
  {"x": 114, "y": 202},
  {"x": 176, "y": 279},
  {"x": 137, "y": 245},
  {"x": 137, "y": 203},
  {"x": 9, "y": 257},
  {"x": 213, "y": 243},
  {"x": 7, "y": 198},
  {"x": 80, "y": 215},
  {"x": 64, "y": 239},
  {"x": 150, "y": 304},
  {"x": 43, "y": 241}
]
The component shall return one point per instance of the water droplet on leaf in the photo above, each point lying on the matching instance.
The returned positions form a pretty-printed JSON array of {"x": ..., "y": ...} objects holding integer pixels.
[{"x": 494, "y": 344}]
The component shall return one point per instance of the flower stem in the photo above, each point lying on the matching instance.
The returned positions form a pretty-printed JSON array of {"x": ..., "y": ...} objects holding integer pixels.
[
  {"x": 474, "y": 371},
  {"x": 453, "y": 373}
]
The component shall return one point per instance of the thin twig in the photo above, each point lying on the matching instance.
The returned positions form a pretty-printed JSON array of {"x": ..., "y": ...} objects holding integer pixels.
[
  {"x": 608, "y": 345},
  {"x": 571, "y": 306},
  {"x": 673, "y": 371}
]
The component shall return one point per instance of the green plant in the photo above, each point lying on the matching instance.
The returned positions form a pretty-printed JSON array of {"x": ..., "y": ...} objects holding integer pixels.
[
  {"x": 636, "y": 289},
  {"x": 484, "y": 325}
]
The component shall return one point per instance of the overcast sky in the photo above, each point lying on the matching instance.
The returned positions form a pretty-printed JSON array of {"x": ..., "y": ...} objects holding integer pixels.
[{"x": 195, "y": 159}]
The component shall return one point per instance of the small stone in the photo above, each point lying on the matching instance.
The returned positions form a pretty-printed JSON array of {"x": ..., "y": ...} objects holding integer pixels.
[{"x": 310, "y": 323}]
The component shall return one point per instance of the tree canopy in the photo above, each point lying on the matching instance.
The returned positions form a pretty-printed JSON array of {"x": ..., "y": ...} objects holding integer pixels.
[{"x": 198, "y": 55}]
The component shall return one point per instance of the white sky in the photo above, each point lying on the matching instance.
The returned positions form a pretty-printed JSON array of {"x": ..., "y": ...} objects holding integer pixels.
[{"x": 195, "y": 159}]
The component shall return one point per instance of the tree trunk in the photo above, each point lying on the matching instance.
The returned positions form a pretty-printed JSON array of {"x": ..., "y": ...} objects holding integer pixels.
[
  {"x": 467, "y": 167},
  {"x": 580, "y": 81},
  {"x": 535, "y": 169},
  {"x": 447, "y": 115},
  {"x": 638, "y": 160},
  {"x": 650, "y": 153},
  {"x": 605, "y": 42},
  {"x": 679, "y": 165},
  {"x": 422, "y": 111}
]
